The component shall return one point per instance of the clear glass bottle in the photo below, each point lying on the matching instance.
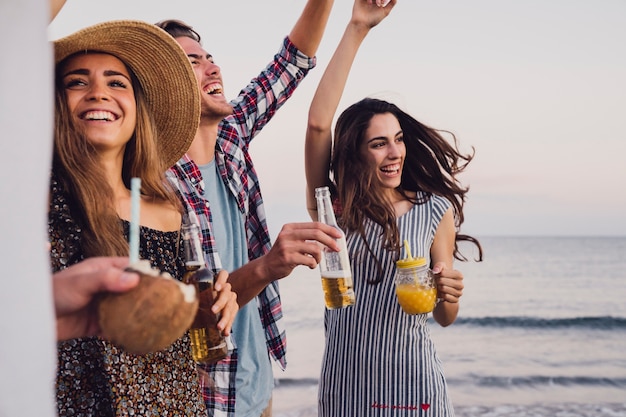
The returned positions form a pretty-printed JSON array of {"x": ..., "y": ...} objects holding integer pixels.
[
  {"x": 207, "y": 343},
  {"x": 334, "y": 266}
]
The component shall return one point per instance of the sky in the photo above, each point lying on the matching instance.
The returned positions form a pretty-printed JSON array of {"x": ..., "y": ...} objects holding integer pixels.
[{"x": 536, "y": 88}]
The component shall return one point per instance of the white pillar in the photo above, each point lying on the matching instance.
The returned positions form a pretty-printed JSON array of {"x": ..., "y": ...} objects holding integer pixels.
[{"x": 27, "y": 327}]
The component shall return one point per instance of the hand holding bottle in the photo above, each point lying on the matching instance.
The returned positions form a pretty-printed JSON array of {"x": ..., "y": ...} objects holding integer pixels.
[
  {"x": 334, "y": 266},
  {"x": 207, "y": 342}
]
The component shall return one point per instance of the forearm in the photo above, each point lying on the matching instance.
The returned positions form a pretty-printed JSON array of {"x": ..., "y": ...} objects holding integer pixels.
[
  {"x": 308, "y": 31},
  {"x": 323, "y": 107},
  {"x": 449, "y": 281},
  {"x": 249, "y": 280},
  {"x": 261, "y": 99},
  {"x": 445, "y": 313},
  {"x": 332, "y": 84}
]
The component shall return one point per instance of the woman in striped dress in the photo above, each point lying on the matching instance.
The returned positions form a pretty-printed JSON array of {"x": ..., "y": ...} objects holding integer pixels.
[{"x": 392, "y": 178}]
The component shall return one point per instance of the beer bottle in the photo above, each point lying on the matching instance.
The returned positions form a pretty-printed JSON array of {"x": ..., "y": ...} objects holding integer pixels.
[
  {"x": 207, "y": 343},
  {"x": 334, "y": 266}
]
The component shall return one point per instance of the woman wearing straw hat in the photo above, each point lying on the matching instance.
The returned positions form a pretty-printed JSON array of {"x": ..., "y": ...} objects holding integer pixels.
[{"x": 114, "y": 99}]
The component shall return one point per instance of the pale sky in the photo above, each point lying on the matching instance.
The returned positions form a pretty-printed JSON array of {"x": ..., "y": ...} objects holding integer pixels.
[{"x": 537, "y": 87}]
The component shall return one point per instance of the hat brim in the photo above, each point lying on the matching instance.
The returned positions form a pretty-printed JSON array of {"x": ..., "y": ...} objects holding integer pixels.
[{"x": 162, "y": 68}]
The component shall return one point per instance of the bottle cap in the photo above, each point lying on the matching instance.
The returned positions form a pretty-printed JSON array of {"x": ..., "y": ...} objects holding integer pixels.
[
  {"x": 320, "y": 191},
  {"x": 411, "y": 262}
]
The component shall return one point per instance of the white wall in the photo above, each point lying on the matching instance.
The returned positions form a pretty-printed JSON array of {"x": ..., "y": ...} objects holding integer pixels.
[{"x": 27, "y": 328}]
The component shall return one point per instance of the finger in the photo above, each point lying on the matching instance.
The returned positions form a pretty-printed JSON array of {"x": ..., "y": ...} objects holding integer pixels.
[
  {"x": 328, "y": 230},
  {"x": 311, "y": 250},
  {"x": 448, "y": 274},
  {"x": 311, "y": 227},
  {"x": 74, "y": 289},
  {"x": 452, "y": 283},
  {"x": 220, "y": 280},
  {"x": 452, "y": 298},
  {"x": 317, "y": 236},
  {"x": 295, "y": 234},
  {"x": 94, "y": 266},
  {"x": 310, "y": 262},
  {"x": 308, "y": 255},
  {"x": 110, "y": 279},
  {"x": 296, "y": 252},
  {"x": 228, "y": 316},
  {"x": 438, "y": 267},
  {"x": 116, "y": 261},
  {"x": 222, "y": 297},
  {"x": 448, "y": 293}
]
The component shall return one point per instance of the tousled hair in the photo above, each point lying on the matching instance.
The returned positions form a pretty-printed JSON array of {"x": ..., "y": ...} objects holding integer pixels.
[
  {"x": 178, "y": 28},
  {"x": 431, "y": 166},
  {"x": 77, "y": 166}
]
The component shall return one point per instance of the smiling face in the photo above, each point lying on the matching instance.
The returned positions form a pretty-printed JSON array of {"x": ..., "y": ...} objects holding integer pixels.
[
  {"x": 101, "y": 98},
  {"x": 209, "y": 77},
  {"x": 384, "y": 150}
]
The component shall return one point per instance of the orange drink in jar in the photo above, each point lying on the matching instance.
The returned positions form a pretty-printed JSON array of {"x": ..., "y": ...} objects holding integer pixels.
[{"x": 415, "y": 286}]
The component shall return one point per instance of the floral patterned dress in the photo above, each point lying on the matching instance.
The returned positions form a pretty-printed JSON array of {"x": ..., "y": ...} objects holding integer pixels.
[{"x": 95, "y": 378}]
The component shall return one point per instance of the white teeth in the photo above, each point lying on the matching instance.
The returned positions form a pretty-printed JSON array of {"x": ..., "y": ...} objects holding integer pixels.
[
  {"x": 213, "y": 89},
  {"x": 391, "y": 168},
  {"x": 99, "y": 115}
]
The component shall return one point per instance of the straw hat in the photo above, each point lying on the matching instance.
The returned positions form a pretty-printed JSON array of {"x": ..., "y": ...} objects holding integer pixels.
[{"x": 162, "y": 68}]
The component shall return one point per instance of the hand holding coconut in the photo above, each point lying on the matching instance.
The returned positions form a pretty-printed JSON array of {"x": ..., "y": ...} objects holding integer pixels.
[
  {"x": 75, "y": 291},
  {"x": 151, "y": 316}
]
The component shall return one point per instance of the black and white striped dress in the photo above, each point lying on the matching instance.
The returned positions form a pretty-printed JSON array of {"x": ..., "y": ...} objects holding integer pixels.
[{"x": 378, "y": 360}]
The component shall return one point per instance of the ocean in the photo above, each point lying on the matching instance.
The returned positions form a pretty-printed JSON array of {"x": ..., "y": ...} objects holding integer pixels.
[{"x": 541, "y": 332}]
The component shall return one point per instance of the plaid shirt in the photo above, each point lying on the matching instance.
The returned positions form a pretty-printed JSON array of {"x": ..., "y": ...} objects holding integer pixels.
[{"x": 253, "y": 108}]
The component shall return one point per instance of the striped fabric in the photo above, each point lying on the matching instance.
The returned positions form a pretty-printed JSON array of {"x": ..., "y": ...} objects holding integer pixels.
[{"x": 379, "y": 361}]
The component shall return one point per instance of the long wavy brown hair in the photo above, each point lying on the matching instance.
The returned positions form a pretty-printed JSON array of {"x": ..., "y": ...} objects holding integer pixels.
[
  {"x": 77, "y": 167},
  {"x": 431, "y": 166}
]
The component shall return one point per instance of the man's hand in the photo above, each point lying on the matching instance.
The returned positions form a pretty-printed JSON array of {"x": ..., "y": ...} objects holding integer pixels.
[
  {"x": 225, "y": 304},
  {"x": 296, "y": 244},
  {"x": 299, "y": 244}
]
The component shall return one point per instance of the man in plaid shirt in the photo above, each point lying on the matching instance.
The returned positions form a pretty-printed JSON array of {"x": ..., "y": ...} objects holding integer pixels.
[{"x": 219, "y": 184}]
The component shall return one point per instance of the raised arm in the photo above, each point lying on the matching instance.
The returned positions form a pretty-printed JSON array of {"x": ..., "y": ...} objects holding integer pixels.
[
  {"x": 307, "y": 33},
  {"x": 365, "y": 15}
]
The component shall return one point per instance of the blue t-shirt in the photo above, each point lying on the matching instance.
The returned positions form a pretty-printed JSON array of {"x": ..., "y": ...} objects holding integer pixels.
[{"x": 255, "y": 379}]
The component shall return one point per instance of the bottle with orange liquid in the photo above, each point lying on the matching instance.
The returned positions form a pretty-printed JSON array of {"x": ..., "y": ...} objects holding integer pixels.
[{"x": 207, "y": 343}]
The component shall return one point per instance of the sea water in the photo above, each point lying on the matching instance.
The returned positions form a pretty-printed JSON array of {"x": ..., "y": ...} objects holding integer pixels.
[{"x": 541, "y": 332}]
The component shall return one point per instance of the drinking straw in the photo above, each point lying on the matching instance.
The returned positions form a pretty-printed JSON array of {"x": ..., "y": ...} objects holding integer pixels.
[
  {"x": 408, "y": 250},
  {"x": 135, "y": 186},
  {"x": 410, "y": 257}
]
